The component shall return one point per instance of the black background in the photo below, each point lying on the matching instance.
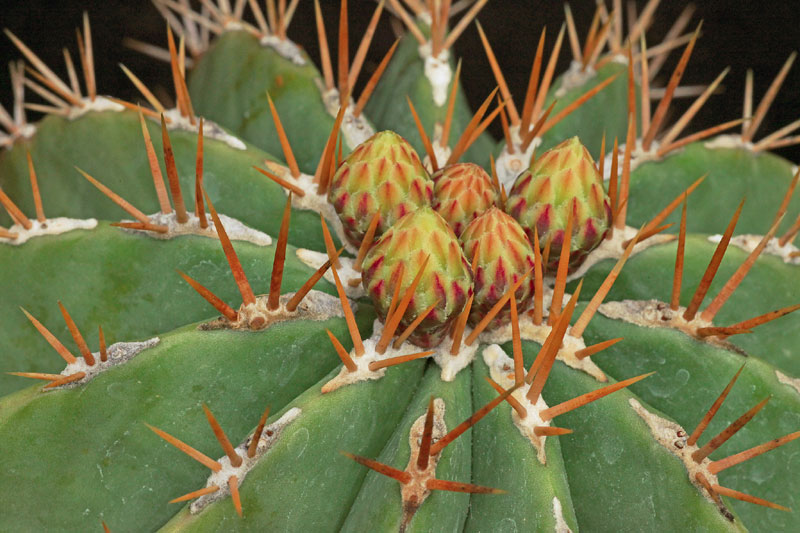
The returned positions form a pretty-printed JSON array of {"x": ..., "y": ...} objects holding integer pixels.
[{"x": 736, "y": 33}]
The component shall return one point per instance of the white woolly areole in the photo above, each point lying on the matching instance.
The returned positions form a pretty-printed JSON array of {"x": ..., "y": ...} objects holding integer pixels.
[
  {"x": 786, "y": 380},
  {"x": 566, "y": 353},
  {"x": 118, "y": 353},
  {"x": 285, "y": 48},
  {"x": 315, "y": 305},
  {"x": 363, "y": 373},
  {"x": 51, "y": 226},
  {"x": 749, "y": 242},
  {"x": 575, "y": 76},
  {"x": 612, "y": 248},
  {"x": 351, "y": 280},
  {"x": 100, "y": 103},
  {"x": 269, "y": 436},
  {"x": 312, "y": 201},
  {"x": 509, "y": 166},
  {"x": 451, "y": 364},
  {"x": 673, "y": 437},
  {"x": 437, "y": 72},
  {"x": 728, "y": 141},
  {"x": 638, "y": 156},
  {"x": 558, "y": 514},
  {"x": 416, "y": 491},
  {"x": 501, "y": 369},
  {"x": 440, "y": 150},
  {"x": 356, "y": 129},
  {"x": 236, "y": 230},
  {"x": 211, "y": 130},
  {"x": 656, "y": 314}
]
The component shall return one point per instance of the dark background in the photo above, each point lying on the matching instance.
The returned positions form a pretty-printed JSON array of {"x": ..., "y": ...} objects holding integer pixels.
[{"x": 736, "y": 33}]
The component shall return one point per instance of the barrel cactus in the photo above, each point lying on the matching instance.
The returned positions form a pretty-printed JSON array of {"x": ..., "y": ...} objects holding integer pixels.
[{"x": 346, "y": 312}]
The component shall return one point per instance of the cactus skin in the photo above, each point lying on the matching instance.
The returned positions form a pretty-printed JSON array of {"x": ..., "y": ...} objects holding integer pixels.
[
  {"x": 504, "y": 255},
  {"x": 384, "y": 174},
  {"x": 447, "y": 277},
  {"x": 563, "y": 178},
  {"x": 76, "y": 456},
  {"x": 461, "y": 193}
]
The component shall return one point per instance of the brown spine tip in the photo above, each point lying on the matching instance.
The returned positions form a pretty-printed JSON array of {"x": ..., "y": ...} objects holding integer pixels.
[
  {"x": 451, "y": 105},
  {"x": 728, "y": 432},
  {"x": 233, "y": 485},
  {"x": 463, "y": 141},
  {"x": 513, "y": 402},
  {"x": 342, "y": 353},
  {"x": 200, "y": 211},
  {"x": 289, "y": 186},
  {"x": 596, "y": 348},
  {"x": 366, "y": 241},
  {"x": 701, "y": 427},
  {"x": 188, "y": 450},
  {"x": 713, "y": 265},
  {"x": 344, "y": 54},
  {"x": 427, "y": 435},
  {"x": 195, "y": 494},
  {"x": 594, "y": 304},
  {"x": 155, "y": 169},
  {"x": 236, "y": 461},
  {"x": 102, "y": 340},
  {"x": 413, "y": 326},
  {"x": 295, "y": 300},
  {"x": 251, "y": 449},
  {"x": 280, "y": 258},
  {"x": 455, "y": 486},
  {"x": 14, "y": 212},
  {"x": 426, "y": 142},
  {"x": 498, "y": 76},
  {"x": 460, "y": 325},
  {"x": 386, "y": 470},
  {"x": 516, "y": 339},
  {"x": 737, "y": 277},
  {"x": 577, "y": 103},
  {"x": 324, "y": 51},
  {"x": 363, "y": 46},
  {"x": 563, "y": 265},
  {"x": 135, "y": 213},
  {"x": 469, "y": 422},
  {"x": 51, "y": 339},
  {"x": 589, "y": 397},
  {"x": 369, "y": 88},
  {"x": 533, "y": 84},
  {"x": 37, "y": 198},
  {"x": 172, "y": 175},
  {"x": 226, "y": 310},
  {"x": 550, "y": 431},
  {"x": 663, "y": 105},
  {"x": 735, "y": 494},
  {"x": 718, "y": 466},
  {"x": 393, "y": 321},
  {"x": 235, "y": 265},
  {"x": 392, "y": 361},
  {"x": 284, "y": 140},
  {"x": 495, "y": 309},
  {"x": 65, "y": 380},
  {"x": 540, "y": 370},
  {"x": 76, "y": 336}
]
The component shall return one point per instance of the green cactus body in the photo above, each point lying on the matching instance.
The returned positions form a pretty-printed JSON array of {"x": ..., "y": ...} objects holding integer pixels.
[
  {"x": 605, "y": 403},
  {"x": 291, "y": 82}
]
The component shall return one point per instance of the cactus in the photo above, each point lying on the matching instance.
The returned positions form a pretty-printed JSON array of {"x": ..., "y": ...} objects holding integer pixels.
[{"x": 359, "y": 338}]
